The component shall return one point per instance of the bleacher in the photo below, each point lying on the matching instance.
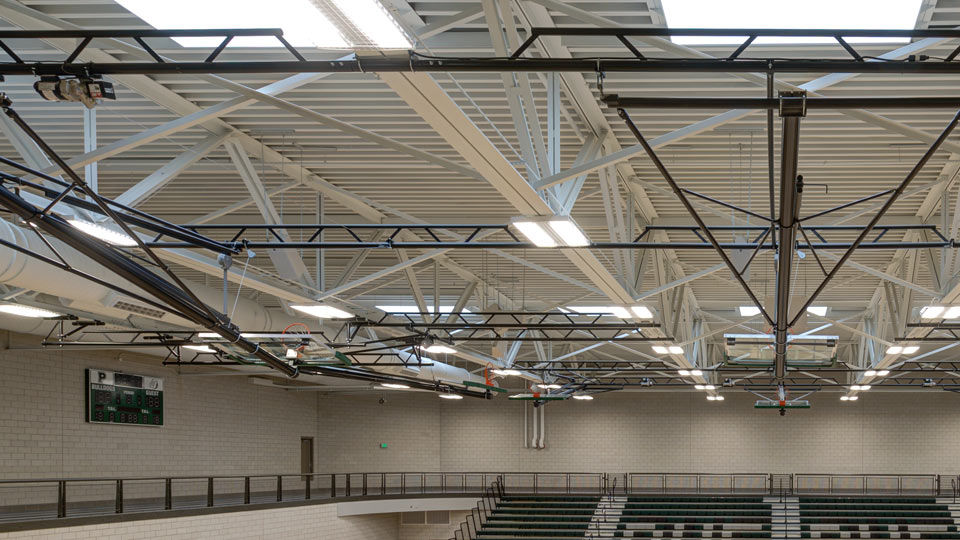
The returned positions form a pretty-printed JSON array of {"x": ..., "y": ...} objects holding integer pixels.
[
  {"x": 555, "y": 517},
  {"x": 876, "y": 517}
]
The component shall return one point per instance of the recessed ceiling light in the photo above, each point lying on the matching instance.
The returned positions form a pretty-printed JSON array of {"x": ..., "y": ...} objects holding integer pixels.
[
  {"x": 322, "y": 311},
  {"x": 108, "y": 235},
  {"x": 394, "y": 386},
  {"x": 27, "y": 311},
  {"x": 450, "y": 396},
  {"x": 749, "y": 311}
]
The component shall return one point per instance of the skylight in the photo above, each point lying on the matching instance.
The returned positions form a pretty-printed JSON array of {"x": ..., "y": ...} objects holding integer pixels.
[
  {"x": 335, "y": 24},
  {"x": 847, "y": 14}
]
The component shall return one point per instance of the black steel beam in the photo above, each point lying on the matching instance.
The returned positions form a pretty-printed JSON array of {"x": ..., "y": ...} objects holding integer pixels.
[{"x": 820, "y": 103}]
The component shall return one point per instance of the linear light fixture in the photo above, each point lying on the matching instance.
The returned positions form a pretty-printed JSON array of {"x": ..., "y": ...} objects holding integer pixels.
[
  {"x": 931, "y": 312},
  {"x": 749, "y": 311},
  {"x": 860, "y": 387},
  {"x": 323, "y": 311},
  {"x": 667, "y": 349},
  {"x": 902, "y": 349},
  {"x": 437, "y": 348},
  {"x": 103, "y": 233},
  {"x": 450, "y": 396},
  {"x": 819, "y": 311},
  {"x": 683, "y": 372},
  {"x": 849, "y": 398},
  {"x": 551, "y": 231},
  {"x": 583, "y": 397},
  {"x": 548, "y": 386},
  {"x": 506, "y": 372},
  {"x": 27, "y": 311},
  {"x": 622, "y": 312},
  {"x": 952, "y": 312},
  {"x": 394, "y": 386}
]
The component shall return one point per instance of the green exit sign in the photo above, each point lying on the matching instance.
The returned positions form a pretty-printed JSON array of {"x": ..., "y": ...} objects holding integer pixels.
[{"x": 383, "y": 445}]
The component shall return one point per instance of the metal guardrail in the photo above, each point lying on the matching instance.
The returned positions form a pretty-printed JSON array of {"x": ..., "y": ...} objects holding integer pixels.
[{"x": 51, "y": 498}]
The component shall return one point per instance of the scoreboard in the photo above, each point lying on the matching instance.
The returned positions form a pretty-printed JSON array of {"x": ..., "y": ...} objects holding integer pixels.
[{"x": 122, "y": 398}]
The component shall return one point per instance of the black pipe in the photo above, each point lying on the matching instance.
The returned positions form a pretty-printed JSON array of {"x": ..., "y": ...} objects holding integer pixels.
[{"x": 527, "y": 245}]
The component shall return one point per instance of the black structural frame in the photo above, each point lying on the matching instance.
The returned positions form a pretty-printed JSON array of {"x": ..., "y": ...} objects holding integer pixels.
[
  {"x": 153, "y": 63},
  {"x": 792, "y": 106}
]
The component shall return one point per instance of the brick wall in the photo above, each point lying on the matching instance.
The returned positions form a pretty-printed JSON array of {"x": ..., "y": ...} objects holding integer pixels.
[{"x": 313, "y": 522}]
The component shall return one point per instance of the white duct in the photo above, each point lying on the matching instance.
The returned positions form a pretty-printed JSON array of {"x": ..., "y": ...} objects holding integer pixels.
[
  {"x": 543, "y": 426},
  {"x": 22, "y": 271},
  {"x": 536, "y": 426}
]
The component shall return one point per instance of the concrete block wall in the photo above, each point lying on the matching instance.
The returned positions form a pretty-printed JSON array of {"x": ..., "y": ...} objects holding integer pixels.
[
  {"x": 651, "y": 432},
  {"x": 307, "y": 522}
]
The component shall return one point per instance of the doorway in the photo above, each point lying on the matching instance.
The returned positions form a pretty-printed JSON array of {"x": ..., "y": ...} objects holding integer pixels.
[{"x": 306, "y": 456}]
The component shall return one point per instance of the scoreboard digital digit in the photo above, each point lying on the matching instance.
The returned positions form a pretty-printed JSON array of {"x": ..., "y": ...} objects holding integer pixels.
[{"x": 122, "y": 398}]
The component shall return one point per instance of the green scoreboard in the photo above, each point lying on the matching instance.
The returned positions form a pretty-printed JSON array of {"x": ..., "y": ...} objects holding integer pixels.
[{"x": 122, "y": 398}]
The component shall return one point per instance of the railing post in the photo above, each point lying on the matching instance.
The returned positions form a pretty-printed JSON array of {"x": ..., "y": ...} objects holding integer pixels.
[
  {"x": 119, "y": 497},
  {"x": 210, "y": 491},
  {"x": 279, "y": 488},
  {"x": 168, "y": 494},
  {"x": 246, "y": 490},
  {"x": 306, "y": 491},
  {"x": 62, "y": 498}
]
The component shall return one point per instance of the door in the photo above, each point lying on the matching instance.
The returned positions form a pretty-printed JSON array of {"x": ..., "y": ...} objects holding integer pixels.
[{"x": 306, "y": 456}]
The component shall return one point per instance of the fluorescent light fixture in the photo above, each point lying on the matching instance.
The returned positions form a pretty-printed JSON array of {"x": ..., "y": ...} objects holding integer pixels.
[
  {"x": 394, "y": 386},
  {"x": 302, "y": 23},
  {"x": 952, "y": 312},
  {"x": 322, "y": 311},
  {"x": 438, "y": 349},
  {"x": 820, "y": 311},
  {"x": 642, "y": 312},
  {"x": 931, "y": 312},
  {"x": 865, "y": 387},
  {"x": 109, "y": 236},
  {"x": 853, "y": 398},
  {"x": 844, "y": 398},
  {"x": 450, "y": 396},
  {"x": 854, "y": 14},
  {"x": 27, "y": 311},
  {"x": 535, "y": 232},
  {"x": 711, "y": 398},
  {"x": 896, "y": 349},
  {"x": 870, "y": 373},
  {"x": 861, "y": 387},
  {"x": 617, "y": 311},
  {"x": 720, "y": 398},
  {"x": 696, "y": 372},
  {"x": 506, "y": 372},
  {"x": 709, "y": 387},
  {"x": 292, "y": 354},
  {"x": 583, "y": 397},
  {"x": 910, "y": 349},
  {"x": 683, "y": 373},
  {"x": 699, "y": 386},
  {"x": 659, "y": 349},
  {"x": 547, "y": 386},
  {"x": 568, "y": 232},
  {"x": 673, "y": 349},
  {"x": 749, "y": 311},
  {"x": 200, "y": 348},
  {"x": 883, "y": 372}
]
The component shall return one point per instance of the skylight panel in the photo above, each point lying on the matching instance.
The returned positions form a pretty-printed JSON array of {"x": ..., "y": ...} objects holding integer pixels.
[
  {"x": 826, "y": 14},
  {"x": 303, "y": 24}
]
